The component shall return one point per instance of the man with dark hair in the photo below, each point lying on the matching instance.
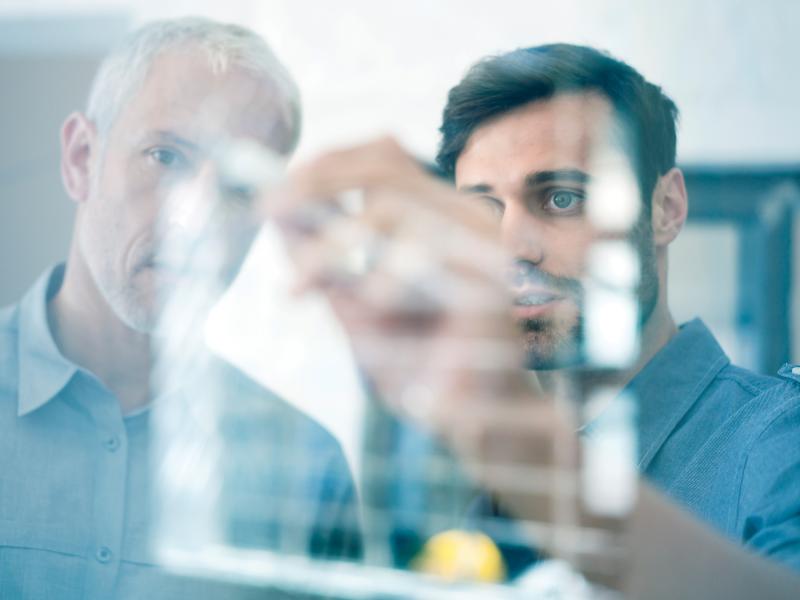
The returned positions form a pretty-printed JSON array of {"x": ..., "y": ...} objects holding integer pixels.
[
  {"x": 571, "y": 150},
  {"x": 522, "y": 132},
  {"x": 497, "y": 85},
  {"x": 567, "y": 84}
]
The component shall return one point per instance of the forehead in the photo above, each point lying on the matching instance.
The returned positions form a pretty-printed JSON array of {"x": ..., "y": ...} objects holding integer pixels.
[
  {"x": 557, "y": 133},
  {"x": 183, "y": 93}
]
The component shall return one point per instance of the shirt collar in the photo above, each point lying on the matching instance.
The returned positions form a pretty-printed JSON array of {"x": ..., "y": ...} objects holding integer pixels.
[
  {"x": 43, "y": 370},
  {"x": 672, "y": 382}
]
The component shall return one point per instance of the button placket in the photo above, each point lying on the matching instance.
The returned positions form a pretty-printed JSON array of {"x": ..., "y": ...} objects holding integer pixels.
[{"x": 108, "y": 512}]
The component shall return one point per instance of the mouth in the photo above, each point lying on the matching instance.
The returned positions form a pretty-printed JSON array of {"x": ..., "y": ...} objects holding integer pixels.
[
  {"x": 162, "y": 271},
  {"x": 535, "y": 303},
  {"x": 168, "y": 273},
  {"x": 537, "y": 298},
  {"x": 157, "y": 265}
]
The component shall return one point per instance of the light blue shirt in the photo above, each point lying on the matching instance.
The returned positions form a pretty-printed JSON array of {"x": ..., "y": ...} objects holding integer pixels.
[{"x": 74, "y": 480}]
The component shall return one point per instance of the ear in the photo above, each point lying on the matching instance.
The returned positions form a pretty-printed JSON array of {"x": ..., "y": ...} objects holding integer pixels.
[
  {"x": 670, "y": 207},
  {"x": 78, "y": 143}
]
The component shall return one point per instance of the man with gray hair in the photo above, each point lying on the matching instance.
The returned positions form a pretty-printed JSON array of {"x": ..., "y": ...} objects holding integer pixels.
[{"x": 76, "y": 353}]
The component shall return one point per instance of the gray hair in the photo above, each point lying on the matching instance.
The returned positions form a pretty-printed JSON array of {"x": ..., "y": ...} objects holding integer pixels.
[{"x": 124, "y": 70}]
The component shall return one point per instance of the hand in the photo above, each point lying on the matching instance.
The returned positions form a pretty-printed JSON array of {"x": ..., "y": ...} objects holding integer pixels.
[
  {"x": 432, "y": 300},
  {"x": 428, "y": 314}
]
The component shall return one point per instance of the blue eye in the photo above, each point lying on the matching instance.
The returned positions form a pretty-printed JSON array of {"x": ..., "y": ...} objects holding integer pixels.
[
  {"x": 167, "y": 157},
  {"x": 564, "y": 201}
]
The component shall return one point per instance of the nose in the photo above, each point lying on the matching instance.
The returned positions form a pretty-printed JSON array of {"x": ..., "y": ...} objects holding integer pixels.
[{"x": 521, "y": 235}]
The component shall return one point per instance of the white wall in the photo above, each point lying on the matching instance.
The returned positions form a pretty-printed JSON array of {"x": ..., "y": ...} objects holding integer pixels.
[
  {"x": 368, "y": 67},
  {"x": 46, "y": 65}
]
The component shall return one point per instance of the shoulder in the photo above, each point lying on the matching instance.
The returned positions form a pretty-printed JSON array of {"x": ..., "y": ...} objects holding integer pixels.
[
  {"x": 775, "y": 399},
  {"x": 777, "y": 408},
  {"x": 750, "y": 401},
  {"x": 737, "y": 405},
  {"x": 748, "y": 382},
  {"x": 747, "y": 424},
  {"x": 772, "y": 457},
  {"x": 762, "y": 417},
  {"x": 769, "y": 509}
]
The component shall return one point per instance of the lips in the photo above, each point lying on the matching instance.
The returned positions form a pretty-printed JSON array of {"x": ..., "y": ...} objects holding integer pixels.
[
  {"x": 537, "y": 298},
  {"x": 534, "y": 303},
  {"x": 162, "y": 270},
  {"x": 156, "y": 265}
]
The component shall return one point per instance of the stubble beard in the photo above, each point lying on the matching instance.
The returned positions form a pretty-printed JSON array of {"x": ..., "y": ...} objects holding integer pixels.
[
  {"x": 131, "y": 303},
  {"x": 134, "y": 307},
  {"x": 551, "y": 343},
  {"x": 557, "y": 342}
]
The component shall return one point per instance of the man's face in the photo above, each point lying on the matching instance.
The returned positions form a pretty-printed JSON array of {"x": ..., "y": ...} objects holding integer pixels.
[
  {"x": 162, "y": 138},
  {"x": 534, "y": 167}
]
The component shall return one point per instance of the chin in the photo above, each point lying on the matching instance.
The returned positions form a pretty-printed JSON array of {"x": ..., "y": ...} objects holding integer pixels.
[
  {"x": 136, "y": 309},
  {"x": 141, "y": 319},
  {"x": 549, "y": 345}
]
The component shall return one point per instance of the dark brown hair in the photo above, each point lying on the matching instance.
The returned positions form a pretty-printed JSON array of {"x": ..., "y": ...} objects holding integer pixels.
[{"x": 498, "y": 84}]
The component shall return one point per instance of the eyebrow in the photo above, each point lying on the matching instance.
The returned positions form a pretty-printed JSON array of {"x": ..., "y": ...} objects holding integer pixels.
[
  {"x": 174, "y": 138},
  {"x": 540, "y": 177},
  {"x": 534, "y": 179}
]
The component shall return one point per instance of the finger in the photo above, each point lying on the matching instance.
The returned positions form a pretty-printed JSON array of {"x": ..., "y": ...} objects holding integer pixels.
[
  {"x": 410, "y": 299},
  {"x": 381, "y": 164},
  {"x": 364, "y": 166},
  {"x": 339, "y": 254},
  {"x": 445, "y": 238},
  {"x": 421, "y": 256}
]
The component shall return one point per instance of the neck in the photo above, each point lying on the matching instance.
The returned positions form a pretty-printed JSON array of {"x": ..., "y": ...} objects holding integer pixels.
[{"x": 89, "y": 333}]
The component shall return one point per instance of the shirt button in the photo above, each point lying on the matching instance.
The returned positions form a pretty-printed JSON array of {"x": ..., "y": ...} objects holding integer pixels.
[
  {"x": 103, "y": 554},
  {"x": 112, "y": 443}
]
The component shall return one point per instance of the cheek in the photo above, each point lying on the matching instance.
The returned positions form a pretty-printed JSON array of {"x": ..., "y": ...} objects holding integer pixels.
[
  {"x": 132, "y": 182},
  {"x": 123, "y": 215},
  {"x": 138, "y": 192},
  {"x": 104, "y": 234},
  {"x": 568, "y": 250}
]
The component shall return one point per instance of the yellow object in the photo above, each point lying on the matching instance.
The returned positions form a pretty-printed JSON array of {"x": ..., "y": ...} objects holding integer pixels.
[{"x": 461, "y": 555}]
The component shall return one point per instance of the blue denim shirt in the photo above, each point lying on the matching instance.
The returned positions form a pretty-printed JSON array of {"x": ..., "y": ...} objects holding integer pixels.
[
  {"x": 724, "y": 442},
  {"x": 719, "y": 440},
  {"x": 74, "y": 477}
]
